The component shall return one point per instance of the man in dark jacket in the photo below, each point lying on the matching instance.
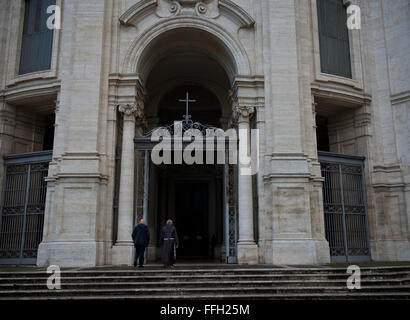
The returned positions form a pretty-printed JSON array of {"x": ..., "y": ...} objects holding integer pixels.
[
  {"x": 140, "y": 236},
  {"x": 169, "y": 242}
]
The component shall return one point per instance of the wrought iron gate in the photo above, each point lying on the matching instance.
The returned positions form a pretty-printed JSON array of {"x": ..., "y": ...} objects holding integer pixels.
[
  {"x": 22, "y": 210},
  {"x": 344, "y": 202},
  {"x": 231, "y": 228}
]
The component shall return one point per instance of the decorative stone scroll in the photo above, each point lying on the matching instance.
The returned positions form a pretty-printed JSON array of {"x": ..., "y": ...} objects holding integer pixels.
[
  {"x": 205, "y": 8},
  {"x": 210, "y": 9}
]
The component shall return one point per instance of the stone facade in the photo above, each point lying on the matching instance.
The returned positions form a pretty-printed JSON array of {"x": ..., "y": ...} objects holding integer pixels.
[{"x": 107, "y": 55}]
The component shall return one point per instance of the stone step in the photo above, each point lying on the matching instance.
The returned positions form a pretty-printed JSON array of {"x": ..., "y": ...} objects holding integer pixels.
[
  {"x": 188, "y": 272},
  {"x": 206, "y": 284},
  {"x": 136, "y": 276},
  {"x": 188, "y": 292},
  {"x": 176, "y": 273}
]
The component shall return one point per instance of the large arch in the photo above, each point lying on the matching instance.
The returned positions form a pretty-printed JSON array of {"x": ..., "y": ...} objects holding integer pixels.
[
  {"x": 234, "y": 57},
  {"x": 186, "y": 57},
  {"x": 170, "y": 61}
]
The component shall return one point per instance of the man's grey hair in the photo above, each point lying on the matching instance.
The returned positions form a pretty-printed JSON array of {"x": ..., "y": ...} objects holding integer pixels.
[{"x": 169, "y": 221}]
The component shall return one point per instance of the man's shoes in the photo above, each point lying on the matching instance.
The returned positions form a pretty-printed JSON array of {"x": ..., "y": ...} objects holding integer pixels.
[{"x": 140, "y": 266}]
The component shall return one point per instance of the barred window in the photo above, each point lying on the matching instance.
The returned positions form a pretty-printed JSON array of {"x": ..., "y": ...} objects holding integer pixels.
[
  {"x": 37, "y": 41},
  {"x": 334, "y": 38}
]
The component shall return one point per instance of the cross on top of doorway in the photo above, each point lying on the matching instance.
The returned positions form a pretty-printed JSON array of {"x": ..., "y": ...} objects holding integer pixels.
[{"x": 187, "y": 117}]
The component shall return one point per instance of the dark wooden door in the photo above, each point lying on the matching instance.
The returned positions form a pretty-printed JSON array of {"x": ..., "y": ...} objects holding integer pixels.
[{"x": 191, "y": 219}]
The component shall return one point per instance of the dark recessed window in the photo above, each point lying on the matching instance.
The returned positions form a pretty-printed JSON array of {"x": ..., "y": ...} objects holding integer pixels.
[
  {"x": 334, "y": 38},
  {"x": 49, "y": 127},
  {"x": 37, "y": 41},
  {"x": 322, "y": 134}
]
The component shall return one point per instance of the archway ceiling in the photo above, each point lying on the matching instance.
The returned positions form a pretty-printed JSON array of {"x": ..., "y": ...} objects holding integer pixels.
[
  {"x": 188, "y": 67},
  {"x": 186, "y": 57},
  {"x": 187, "y": 52},
  {"x": 206, "y": 108}
]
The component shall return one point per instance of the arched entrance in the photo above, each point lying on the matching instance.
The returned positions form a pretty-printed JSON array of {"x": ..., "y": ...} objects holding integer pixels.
[
  {"x": 171, "y": 61},
  {"x": 186, "y": 61}
]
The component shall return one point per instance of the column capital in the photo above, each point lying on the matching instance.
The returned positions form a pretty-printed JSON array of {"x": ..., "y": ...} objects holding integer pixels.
[
  {"x": 242, "y": 113},
  {"x": 128, "y": 109},
  {"x": 134, "y": 111}
]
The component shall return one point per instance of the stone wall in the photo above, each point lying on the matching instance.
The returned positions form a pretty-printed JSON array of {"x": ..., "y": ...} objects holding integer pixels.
[{"x": 102, "y": 57}]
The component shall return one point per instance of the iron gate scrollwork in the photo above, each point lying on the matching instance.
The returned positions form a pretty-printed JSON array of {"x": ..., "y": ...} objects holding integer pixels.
[
  {"x": 345, "y": 207},
  {"x": 231, "y": 215},
  {"x": 23, "y": 204}
]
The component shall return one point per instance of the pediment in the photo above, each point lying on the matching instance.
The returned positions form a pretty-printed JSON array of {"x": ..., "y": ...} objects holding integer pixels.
[{"x": 208, "y": 9}]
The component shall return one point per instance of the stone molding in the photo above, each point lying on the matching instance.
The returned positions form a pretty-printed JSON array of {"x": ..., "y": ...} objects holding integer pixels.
[
  {"x": 341, "y": 93},
  {"x": 135, "y": 53},
  {"x": 400, "y": 98},
  {"x": 246, "y": 97},
  {"x": 19, "y": 94},
  {"x": 211, "y": 9}
]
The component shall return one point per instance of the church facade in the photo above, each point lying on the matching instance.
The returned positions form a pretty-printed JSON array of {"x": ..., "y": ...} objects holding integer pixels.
[{"x": 323, "y": 84}]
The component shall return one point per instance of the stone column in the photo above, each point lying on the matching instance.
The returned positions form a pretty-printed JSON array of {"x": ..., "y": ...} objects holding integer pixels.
[
  {"x": 123, "y": 249},
  {"x": 247, "y": 248}
]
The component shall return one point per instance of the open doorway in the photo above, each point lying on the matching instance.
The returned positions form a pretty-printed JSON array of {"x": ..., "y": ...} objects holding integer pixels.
[{"x": 192, "y": 196}]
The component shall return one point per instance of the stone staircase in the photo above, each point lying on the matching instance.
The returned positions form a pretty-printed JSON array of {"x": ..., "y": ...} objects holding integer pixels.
[{"x": 208, "y": 282}]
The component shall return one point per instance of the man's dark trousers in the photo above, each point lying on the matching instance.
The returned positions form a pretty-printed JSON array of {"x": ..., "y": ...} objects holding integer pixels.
[{"x": 139, "y": 255}]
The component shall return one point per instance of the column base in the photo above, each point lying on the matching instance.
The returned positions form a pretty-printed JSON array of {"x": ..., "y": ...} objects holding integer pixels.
[
  {"x": 247, "y": 253},
  {"x": 123, "y": 254},
  {"x": 390, "y": 250},
  {"x": 299, "y": 252},
  {"x": 67, "y": 254}
]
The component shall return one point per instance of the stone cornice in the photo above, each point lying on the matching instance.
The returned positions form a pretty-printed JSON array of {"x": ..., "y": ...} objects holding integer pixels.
[
  {"x": 248, "y": 90},
  {"x": 341, "y": 93},
  {"x": 22, "y": 93},
  {"x": 126, "y": 89},
  {"x": 77, "y": 176}
]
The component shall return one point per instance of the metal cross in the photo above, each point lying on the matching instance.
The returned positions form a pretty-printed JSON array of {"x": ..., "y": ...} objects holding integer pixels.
[{"x": 187, "y": 101}]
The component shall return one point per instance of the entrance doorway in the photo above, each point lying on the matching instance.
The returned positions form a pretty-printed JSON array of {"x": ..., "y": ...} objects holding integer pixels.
[
  {"x": 192, "y": 196},
  {"x": 191, "y": 219}
]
